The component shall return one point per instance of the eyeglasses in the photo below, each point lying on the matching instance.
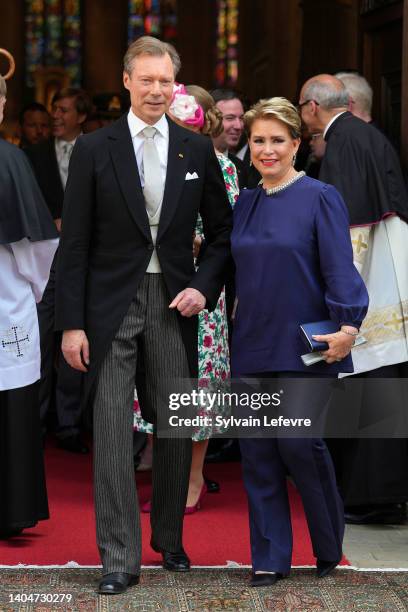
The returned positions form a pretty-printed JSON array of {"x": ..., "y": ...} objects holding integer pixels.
[{"x": 299, "y": 106}]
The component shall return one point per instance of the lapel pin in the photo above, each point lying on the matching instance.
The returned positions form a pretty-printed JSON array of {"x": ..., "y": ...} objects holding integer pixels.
[{"x": 181, "y": 155}]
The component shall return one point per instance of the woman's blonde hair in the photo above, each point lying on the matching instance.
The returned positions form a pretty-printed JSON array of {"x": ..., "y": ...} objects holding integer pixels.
[
  {"x": 275, "y": 108},
  {"x": 212, "y": 115}
]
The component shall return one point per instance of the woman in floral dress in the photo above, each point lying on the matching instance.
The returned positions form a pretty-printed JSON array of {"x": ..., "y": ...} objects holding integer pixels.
[{"x": 194, "y": 108}]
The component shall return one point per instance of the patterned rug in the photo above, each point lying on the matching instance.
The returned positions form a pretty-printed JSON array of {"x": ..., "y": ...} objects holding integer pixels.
[{"x": 204, "y": 590}]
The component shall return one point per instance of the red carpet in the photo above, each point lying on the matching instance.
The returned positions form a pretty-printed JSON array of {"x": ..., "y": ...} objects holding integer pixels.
[{"x": 218, "y": 533}]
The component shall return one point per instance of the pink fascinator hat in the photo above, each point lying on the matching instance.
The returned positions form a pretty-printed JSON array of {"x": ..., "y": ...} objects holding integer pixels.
[{"x": 185, "y": 107}]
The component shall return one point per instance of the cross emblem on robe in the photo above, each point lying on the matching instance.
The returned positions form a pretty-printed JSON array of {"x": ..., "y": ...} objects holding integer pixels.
[
  {"x": 395, "y": 322},
  {"x": 12, "y": 342},
  {"x": 359, "y": 244}
]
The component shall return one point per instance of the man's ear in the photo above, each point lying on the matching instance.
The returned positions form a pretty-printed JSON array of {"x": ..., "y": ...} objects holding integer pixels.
[{"x": 126, "y": 80}]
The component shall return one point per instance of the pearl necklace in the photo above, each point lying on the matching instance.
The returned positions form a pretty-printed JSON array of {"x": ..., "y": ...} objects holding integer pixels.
[{"x": 272, "y": 190}]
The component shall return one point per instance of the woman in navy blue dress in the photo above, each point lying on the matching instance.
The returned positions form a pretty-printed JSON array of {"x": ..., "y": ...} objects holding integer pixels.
[{"x": 293, "y": 256}]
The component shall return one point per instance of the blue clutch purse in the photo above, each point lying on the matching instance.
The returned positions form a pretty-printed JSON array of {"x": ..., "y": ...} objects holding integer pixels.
[{"x": 307, "y": 330}]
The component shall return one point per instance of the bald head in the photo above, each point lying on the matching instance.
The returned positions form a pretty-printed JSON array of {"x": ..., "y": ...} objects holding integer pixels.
[
  {"x": 321, "y": 98},
  {"x": 328, "y": 91},
  {"x": 360, "y": 92}
]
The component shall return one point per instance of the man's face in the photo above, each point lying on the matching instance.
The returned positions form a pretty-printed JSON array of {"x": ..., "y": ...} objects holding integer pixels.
[
  {"x": 151, "y": 86},
  {"x": 66, "y": 121},
  {"x": 35, "y": 127},
  {"x": 2, "y": 105},
  {"x": 232, "y": 122},
  {"x": 307, "y": 113}
]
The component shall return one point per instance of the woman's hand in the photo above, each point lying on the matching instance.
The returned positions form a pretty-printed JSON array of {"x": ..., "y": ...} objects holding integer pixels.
[
  {"x": 197, "y": 240},
  {"x": 340, "y": 343}
]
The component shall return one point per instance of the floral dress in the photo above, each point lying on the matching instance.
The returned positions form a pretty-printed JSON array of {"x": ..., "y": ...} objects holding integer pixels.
[{"x": 213, "y": 349}]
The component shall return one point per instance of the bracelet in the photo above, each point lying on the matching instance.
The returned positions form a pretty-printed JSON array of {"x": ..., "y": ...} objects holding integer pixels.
[{"x": 350, "y": 333}]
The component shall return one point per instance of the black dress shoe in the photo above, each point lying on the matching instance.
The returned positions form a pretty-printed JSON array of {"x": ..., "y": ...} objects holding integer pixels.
[
  {"x": 173, "y": 561},
  {"x": 116, "y": 582},
  {"x": 212, "y": 485},
  {"x": 73, "y": 444},
  {"x": 262, "y": 580},
  {"x": 323, "y": 568},
  {"x": 5, "y": 534},
  {"x": 384, "y": 514}
]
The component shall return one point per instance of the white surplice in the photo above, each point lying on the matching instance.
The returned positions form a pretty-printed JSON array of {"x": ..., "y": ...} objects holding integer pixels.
[{"x": 24, "y": 272}]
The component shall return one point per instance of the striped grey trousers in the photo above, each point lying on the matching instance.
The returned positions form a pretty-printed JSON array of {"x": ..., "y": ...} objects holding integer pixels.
[{"x": 151, "y": 329}]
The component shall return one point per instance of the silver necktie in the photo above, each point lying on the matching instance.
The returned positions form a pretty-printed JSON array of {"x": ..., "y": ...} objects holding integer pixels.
[
  {"x": 64, "y": 163},
  {"x": 153, "y": 183}
]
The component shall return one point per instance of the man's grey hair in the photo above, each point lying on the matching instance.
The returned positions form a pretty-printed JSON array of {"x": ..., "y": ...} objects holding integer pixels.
[
  {"x": 327, "y": 95},
  {"x": 148, "y": 45},
  {"x": 3, "y": 87},
  {"x": 358, "y": 88}
]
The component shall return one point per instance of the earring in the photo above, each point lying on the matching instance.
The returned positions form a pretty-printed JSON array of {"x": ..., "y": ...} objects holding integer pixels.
[
  {"x": 294, "y": 160},
  {"x": 250, "y": 162}
]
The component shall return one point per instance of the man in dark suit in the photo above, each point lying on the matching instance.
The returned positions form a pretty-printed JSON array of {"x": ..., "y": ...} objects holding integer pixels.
[
  {"x": 35, "y": 124},
  {"x": 230, "y": 104},
  {"x": 50, "y": 160},
  {"x": 363, "y": 165},
  {"x": 127, "y": 288}
]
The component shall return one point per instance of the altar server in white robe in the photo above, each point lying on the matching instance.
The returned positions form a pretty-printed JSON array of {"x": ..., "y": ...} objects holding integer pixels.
[{"x": 28, "y": 241}]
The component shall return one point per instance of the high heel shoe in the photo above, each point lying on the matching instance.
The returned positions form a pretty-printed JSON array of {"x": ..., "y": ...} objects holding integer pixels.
[
  {"x": 324, "y": 568},
  {"x": 146, "y": 507},
  {"x": 197, "y": 505},
  {"x": 267, "y": 579}
]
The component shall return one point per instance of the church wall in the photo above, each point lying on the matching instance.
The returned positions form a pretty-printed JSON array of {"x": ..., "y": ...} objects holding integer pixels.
[
  {"x": 12, "y": 39},
  {"x": 269, "y": 48},
  {"x": 104, "y": 44},
  {"x": 281, "y": 43}
]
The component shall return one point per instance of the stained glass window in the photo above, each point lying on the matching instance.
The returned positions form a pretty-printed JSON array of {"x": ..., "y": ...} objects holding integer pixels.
[
  {"x": 154, "y": 17},
  {"x": 53, "y": 37},
  {"x": 226, "y": 71}
]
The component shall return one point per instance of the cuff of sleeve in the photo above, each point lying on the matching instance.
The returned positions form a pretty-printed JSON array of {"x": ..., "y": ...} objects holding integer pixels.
[{"x": 356, "y": 324}]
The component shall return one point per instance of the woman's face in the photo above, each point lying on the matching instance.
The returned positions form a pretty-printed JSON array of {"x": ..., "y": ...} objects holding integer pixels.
[{"x": 272, "y": 150}]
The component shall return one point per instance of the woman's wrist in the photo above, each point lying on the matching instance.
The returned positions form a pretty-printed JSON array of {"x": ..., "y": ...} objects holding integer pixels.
[{"x": 349, "y": 330}]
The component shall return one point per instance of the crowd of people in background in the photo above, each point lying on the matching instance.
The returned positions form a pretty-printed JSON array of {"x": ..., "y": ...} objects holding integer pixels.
[{"x": 274, "y": 149}]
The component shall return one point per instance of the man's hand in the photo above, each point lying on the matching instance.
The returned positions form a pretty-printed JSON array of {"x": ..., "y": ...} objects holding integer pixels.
[
  {"x": 189, "y": 302},
  {"x": 74, "y": 345}
]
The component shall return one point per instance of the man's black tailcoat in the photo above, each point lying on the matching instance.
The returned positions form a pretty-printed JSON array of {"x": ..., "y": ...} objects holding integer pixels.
[{"x": 106, "y": 242}]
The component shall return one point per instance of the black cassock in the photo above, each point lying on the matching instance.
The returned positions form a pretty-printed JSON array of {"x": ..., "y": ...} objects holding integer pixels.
[
  {"x": 23, "y": 214},
  {"x": 362, "y": 164}
]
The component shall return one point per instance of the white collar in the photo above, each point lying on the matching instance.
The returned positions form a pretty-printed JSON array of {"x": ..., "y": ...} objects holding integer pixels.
[
  {"x": 60, "y": 142},
  {"x": 332, "y": 120},
  {"x": 136, "y": 125}
]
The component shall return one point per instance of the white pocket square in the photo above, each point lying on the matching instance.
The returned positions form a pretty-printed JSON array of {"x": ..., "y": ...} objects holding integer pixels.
[{"x": 191, "y": 176}]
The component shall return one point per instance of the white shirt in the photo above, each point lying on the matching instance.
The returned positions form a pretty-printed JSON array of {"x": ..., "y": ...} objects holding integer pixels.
[
  {"x": 241, "y": 153},
  {"x": 161, "y": 140},
  {"x": 332, "y": 120},
  {"x": 62, "y": 160},
  {"x": 25, "y": 269}
]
